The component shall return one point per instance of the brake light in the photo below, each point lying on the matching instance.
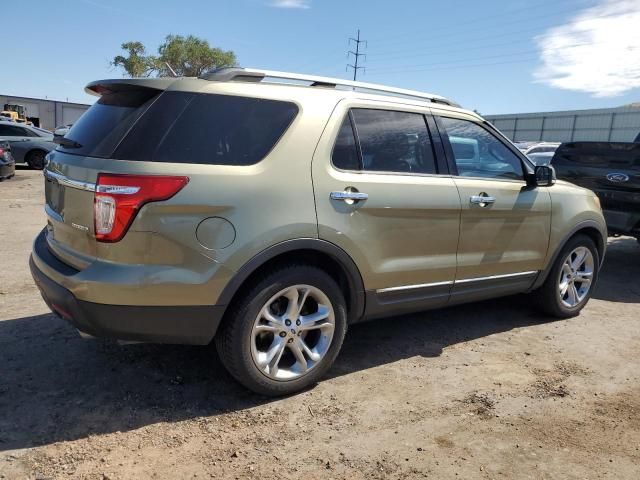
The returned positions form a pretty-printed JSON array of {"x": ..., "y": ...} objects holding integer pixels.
[{"x": 118, "y": 199}]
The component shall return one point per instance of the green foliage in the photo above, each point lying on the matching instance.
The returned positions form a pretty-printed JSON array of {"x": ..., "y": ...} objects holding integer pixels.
[
  {"x": 188, "y": 56},
  {"x": 137, "y": 63}
]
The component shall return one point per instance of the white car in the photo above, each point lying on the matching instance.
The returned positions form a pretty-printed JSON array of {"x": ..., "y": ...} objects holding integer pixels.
[{"x": 544, "y": 147}]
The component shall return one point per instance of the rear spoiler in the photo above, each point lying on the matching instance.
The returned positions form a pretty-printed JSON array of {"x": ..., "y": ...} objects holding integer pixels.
[{"x": 101, "y": 87}]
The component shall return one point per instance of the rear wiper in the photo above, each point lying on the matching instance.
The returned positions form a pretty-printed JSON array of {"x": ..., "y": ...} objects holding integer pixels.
[{"x": 67, "y": 142}]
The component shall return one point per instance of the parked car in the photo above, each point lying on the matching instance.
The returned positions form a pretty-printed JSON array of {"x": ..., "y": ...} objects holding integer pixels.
[
  {"x": 541, "y": 158},
  {"x": 612, "y": 171},
  {"x": 543, "y": 147},
  {"x": 267, "y": 216},
  {"x": 29, "y": 144},
  {"x": 62, "y": 130},
  {"x": 524, "y": 146},
  {"x": 7, "y": 163}
]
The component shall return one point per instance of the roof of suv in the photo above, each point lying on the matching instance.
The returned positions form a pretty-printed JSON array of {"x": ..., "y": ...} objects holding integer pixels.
[{"x": 268, "y": 77}]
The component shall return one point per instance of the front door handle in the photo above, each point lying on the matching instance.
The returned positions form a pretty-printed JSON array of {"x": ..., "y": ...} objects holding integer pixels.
[
  {"x": 482, "y": 200},
  {"x": 349, "y": 196}
]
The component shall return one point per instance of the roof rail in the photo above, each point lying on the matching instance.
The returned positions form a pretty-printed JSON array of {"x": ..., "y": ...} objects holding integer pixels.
[{"x": 236, "y": 74}]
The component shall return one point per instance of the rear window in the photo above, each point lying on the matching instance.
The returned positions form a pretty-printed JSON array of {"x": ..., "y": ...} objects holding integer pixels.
[
  {"x": 100, "y": 129},
  {"x": 182, "y": 127}
]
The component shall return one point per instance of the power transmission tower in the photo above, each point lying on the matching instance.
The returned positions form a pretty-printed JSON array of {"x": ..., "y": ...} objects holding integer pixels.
[{"x": 356, "y": 55}]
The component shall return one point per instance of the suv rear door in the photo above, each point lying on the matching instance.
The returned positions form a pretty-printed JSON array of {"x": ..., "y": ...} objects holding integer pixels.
[
  {"x": 403, "y": 236},
  {"x": 505, "y": 225}
]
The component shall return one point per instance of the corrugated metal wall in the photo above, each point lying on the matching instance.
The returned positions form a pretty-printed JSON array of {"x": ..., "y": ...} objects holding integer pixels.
[{"x": 608, "y": 124}]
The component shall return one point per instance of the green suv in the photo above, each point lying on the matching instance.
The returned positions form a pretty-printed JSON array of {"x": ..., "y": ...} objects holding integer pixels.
[{"x": 267, "y": 211}]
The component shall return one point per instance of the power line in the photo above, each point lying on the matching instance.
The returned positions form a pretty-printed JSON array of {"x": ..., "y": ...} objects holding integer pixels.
[
  {"x": 447, "y": 26},
  {"x": 356, "y": 55},
  {"x": 454, "y": 67},
  {"x": 497, "y": 56},
  {"x": 466, "y": 41}
]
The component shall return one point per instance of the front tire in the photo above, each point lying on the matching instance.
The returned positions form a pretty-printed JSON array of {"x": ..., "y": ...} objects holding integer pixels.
[
  {"x": 571, "y": 280},
  {"x": 284, "y": 333}
]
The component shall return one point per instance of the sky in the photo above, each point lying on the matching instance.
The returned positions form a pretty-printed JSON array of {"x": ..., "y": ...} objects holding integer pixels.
[{"x": 493, "y": 56}]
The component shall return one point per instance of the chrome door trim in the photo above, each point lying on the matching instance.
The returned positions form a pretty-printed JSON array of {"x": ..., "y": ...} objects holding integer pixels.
[
  {"x": 411, "y": 287},
  {"x": 347, "y": 195},
  {"x": 481, "y": 200},
  {"x": 68, "y": 182},
  {"x": 455, "y": 282},
  {"x": 497, "y": 277}
]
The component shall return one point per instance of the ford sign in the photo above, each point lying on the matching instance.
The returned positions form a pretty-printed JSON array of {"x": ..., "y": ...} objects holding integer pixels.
[{"x": 617, "y": 177}]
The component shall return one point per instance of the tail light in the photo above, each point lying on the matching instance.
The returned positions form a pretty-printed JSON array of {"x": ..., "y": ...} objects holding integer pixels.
[{"x": 119, "y": 197}]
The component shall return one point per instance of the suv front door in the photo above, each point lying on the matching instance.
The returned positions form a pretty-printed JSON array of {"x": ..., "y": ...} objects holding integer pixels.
[
  {"x": 504, "y": 224},
  {"x": 382, "y": 196}
]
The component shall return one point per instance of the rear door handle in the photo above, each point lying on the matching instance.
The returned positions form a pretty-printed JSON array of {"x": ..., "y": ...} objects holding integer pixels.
[
  {"x": 349, "y": 196},
  {"x": 481, "y": 200}
]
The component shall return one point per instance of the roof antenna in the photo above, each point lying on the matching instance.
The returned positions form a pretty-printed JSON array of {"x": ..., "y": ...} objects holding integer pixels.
[{"x": 173, "y": 72}]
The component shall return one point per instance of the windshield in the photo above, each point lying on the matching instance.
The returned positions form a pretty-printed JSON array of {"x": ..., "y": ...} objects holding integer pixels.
[{"x": 41, "y": 132}]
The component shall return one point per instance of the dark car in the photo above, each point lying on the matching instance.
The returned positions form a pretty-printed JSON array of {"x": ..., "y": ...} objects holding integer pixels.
[
  {"x": 7, "y": 164},
  {"x": 612, "y": 171}
]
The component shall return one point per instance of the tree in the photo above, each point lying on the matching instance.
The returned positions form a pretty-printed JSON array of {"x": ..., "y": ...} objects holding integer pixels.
[
  {"x": 137, "y": 63},
  {"x": 188, "y": 56},
  {"x": 191, "y": 56}
]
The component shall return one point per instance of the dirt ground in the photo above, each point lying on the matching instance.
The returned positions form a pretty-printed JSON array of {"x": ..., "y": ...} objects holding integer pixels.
[{"x": 489, "y": 390}]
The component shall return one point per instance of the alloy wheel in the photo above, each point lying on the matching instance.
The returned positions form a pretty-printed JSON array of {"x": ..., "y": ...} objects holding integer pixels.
[
  {"x": 576, "y": 276},
  {"x": 293, "y": 332}
]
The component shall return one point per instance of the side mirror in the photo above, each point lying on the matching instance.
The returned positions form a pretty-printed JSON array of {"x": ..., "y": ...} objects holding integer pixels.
[{"x": 544, "y": 176}]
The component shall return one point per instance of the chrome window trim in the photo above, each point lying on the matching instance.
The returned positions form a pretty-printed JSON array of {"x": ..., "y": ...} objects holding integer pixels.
[
  {"x": 455, "y": 282},
  {"x": 67, "y": 182}
]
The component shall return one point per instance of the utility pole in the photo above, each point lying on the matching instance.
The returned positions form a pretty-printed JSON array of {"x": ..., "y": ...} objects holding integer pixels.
[{"x": 356, "y": 55}]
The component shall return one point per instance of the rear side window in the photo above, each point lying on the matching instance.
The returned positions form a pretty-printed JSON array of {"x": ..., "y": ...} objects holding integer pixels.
[
  {"x": 345, "y": 151},
  {"x": 393, "y": 141},
  {"x": 184, "y": 127},
  {"x": 12, "y": 131},
  {"x": 100, "y": 129}
]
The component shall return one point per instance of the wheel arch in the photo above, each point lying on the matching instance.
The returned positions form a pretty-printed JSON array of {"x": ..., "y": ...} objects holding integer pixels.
[
  {"x": 590, "y": 228},
  {"x": 320, "y": 253}
]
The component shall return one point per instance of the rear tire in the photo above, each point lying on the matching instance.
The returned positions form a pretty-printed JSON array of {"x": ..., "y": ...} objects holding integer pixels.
[
  {"x": 571, "y": 280},
  {"x": 285, "y": 331},
  {"x": 35, "y": 159}
]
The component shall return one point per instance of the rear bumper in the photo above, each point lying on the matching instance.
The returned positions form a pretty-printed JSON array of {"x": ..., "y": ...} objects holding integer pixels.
[
  {"x": 195, "y": 325},
  {"x": 7, "y": 169}
]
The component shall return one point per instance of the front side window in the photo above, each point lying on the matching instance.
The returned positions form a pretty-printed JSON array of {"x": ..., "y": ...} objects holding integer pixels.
[
  {"x": 478, "y": 153},
  {"x": 394, "y": 141},
  {"x": 29, "y": 133}
]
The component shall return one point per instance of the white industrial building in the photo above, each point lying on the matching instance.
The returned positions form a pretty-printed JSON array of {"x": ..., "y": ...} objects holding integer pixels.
[
  {"x": 621, "y": 124},
  {"x": 47, "y": 114}
]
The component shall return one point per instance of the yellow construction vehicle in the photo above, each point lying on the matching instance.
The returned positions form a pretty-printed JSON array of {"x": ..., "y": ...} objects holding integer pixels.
[{"x": 16, "y": 112}]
